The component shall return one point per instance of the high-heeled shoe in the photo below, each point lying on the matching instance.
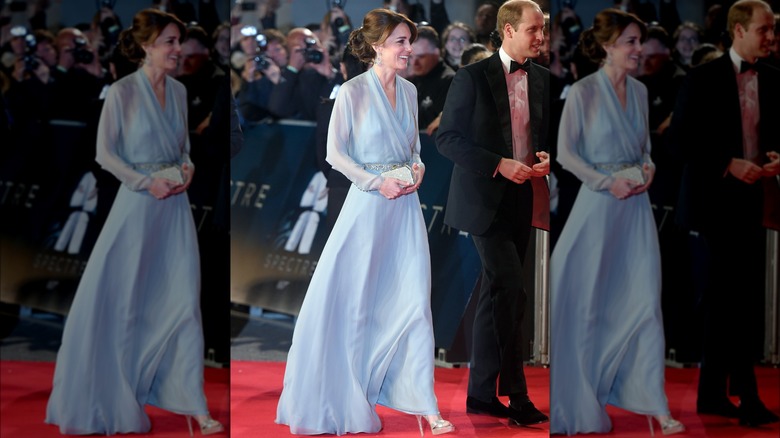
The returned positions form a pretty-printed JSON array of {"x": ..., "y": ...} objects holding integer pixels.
[
  {"x": 669, "y": 426},
  {"x": 208, "y": 426},
  {"x": 438, "y": 426}
]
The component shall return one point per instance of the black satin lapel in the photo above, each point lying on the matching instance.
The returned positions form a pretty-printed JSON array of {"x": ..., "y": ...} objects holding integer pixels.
[
  {"x": 535, "y": 104},
  {"x": 497, "y": 82}
]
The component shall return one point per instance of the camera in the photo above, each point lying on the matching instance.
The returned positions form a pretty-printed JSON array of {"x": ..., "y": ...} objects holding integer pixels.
[
  {"x": 311, "y": 53},
  {"x": 31, "y": 62},
  {"x": 81, "y": 54},
  {"x": 261, "y": 61},
  {"x": 111, "y": 30}
]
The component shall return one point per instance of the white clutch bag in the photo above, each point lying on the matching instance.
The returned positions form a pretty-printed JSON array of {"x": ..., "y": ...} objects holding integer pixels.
[
  {"x": 403, "y": 173},
  {"x": 633, "y": 173},
  {"x": 172, "y": 173}
]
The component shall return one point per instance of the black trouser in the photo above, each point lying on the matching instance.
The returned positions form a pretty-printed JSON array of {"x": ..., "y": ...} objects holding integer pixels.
[
  {"x": 497, "y": 341},
  {"x": 732, "y": 310}
]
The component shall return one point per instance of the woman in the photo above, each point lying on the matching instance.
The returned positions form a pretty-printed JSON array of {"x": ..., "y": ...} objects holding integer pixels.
[
  {"x": 364, "y": 334},
  {"x": 607, "y": 333},
  {"x": 134, "y": 336},
  {"x": 454, "y": 39},
  {"x": 220, "y": 51},
  {"x": 687, "y": 38}
]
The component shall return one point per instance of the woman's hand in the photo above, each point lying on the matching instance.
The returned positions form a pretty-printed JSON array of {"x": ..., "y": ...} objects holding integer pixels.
[
  {"x": 418, "y": 172},
  {"x": 187, "y": 172},
  {"x": 392, "y": 188},
  {"x": 648, "y": 171},
  {"x": 433, "y": 126},
  {"x": 622, "y": 188},
  {"x": 162, "y": 188}
]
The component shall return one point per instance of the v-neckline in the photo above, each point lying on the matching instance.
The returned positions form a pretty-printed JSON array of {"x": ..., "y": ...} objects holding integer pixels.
[
  {"x": 613, "y": 93},
  {"x": 394, "y": 108},
  {"x": 159, "y": 104}
]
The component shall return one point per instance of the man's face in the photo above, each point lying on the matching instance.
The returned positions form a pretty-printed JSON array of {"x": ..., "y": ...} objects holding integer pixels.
[
  {"x": 654, "y": 56},
  {"x": 193, "y": 56},
  {"x": 425, "y": 56},
  {"x": 65, "y": 45},
  {"x": 526, "y": 40},
  {"x": 485, "y": 19},
  {"x": 296, "y": 45},
  {"x": 756, "y": 41}
]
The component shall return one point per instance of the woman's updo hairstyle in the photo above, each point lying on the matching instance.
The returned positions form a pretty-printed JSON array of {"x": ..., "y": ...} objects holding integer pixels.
[
  {"x": 147, "y": 26},
  {"x": 378, "y": 24},
  {"x": 607, "y": 27}
]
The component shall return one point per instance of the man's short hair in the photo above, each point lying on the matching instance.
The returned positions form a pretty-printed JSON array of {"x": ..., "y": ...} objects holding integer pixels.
[{"x": 742, "y": 12}]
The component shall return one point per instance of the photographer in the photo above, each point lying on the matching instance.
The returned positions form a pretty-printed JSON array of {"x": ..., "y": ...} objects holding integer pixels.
[
  {"x": 335, "y": 29},
  {"x": 260, "y": 74},
  {"x": 106, "y": 26},
  {"x": 83, "y": 78},
  {"x": 29, "y": 93},
  {"x": 308, "y": 78}
]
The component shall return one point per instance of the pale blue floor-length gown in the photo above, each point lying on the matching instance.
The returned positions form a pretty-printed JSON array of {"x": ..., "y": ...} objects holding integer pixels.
[
  {"x": 364, "y": 334},
  {"x": 607, "y": 341},
  {"x": 133, "y": 335}
]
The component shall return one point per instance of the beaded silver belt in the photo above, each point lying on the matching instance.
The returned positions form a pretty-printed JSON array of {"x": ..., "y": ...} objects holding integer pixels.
[
  {"x": 614, "y": 167},
  {"x": 380, "y": 167},
  {"x": 152, "y": 167}
]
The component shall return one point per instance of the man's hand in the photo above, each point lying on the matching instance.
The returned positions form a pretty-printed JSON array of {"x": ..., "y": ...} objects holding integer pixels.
[
  {"x": 772, "y": 168},
  {"x": 514, "y": 170},
  {"x": 745, "y": 170},
  {"x": 542, "y": 168}
]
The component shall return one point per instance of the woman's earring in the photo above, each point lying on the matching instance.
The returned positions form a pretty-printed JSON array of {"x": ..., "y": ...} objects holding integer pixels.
[
  {"x": 378, "y": 60},
  {"x": 609, "y": 59}
]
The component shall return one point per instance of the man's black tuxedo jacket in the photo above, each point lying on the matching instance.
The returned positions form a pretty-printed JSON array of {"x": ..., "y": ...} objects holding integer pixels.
[
  {"x": 707, "y": 130},
  {"x": 476, "y": 132}
]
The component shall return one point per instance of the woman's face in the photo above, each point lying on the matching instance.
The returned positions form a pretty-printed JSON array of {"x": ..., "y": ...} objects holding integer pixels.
[
  {"x": 687, "y": 42},
  {"x": 222, "y": 45},
  {"x": 456, "y": 41},
  {"x": 164, "y": 52},
  {"x": 625, "y": 52},
  {"x": 395, "y": 51}
]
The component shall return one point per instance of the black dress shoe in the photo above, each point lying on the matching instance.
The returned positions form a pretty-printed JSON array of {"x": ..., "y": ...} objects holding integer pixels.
[
  {"x": 525, "y": 414},
  {"x": 494, "y": 407},
  {"x": 756, "y": 414},
  {"x": 723, "y": 408}
]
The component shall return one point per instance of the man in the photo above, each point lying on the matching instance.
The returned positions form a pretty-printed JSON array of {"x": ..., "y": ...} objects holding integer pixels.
[
  {"x": 200, "y": 76},
  {"x": 430, "y": 75},
  {"x": 308, "y": 78},
  {"x": 491, "y": 135},
  {"x": 729, "y": 135},
  {"x": 485, "y": 23}
]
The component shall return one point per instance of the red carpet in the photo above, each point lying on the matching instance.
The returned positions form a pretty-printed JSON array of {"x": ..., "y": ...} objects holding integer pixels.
[
  {"x": 25, "y": 387},
  {"x": 255, "y": 389},
  {"x": 256, "y": 386}
]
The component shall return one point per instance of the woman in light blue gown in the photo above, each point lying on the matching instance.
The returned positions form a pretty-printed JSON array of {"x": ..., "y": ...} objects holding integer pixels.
[
  {"x": 607, "y": 341},
  {"x": 133, "y": 335},
  {"x": 364, "y": 334}
]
